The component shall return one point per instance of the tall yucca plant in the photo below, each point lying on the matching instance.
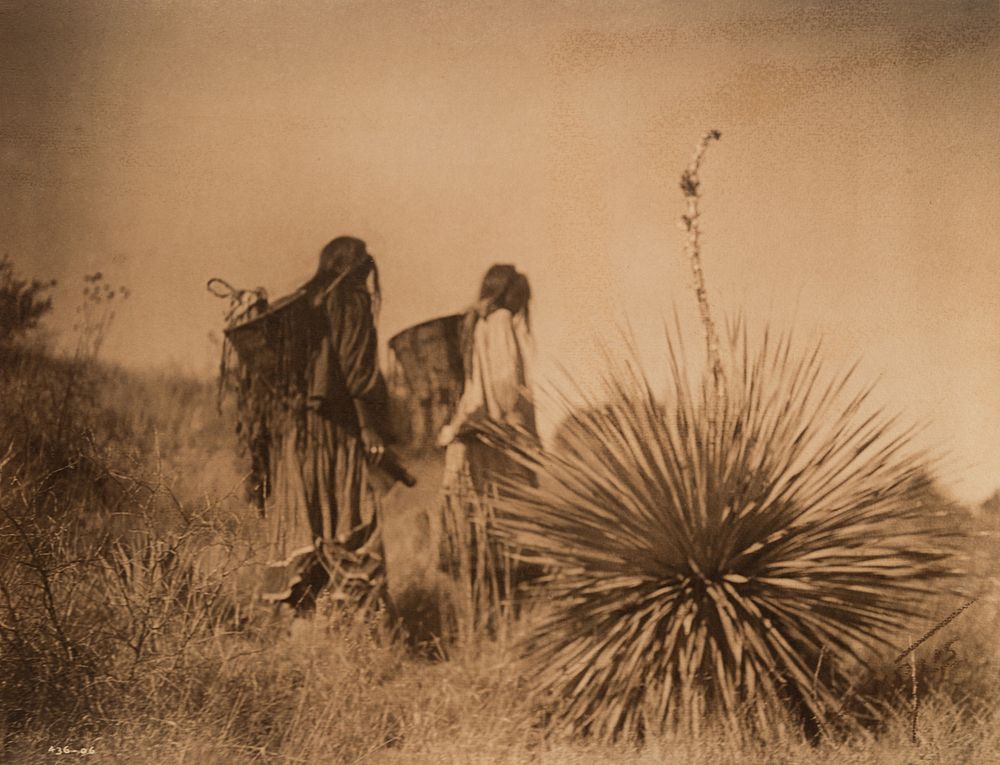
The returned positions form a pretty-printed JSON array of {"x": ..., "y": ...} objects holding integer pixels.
[
  {"x": 748, "y": 557},
  {"x": 743, "y": 545}
]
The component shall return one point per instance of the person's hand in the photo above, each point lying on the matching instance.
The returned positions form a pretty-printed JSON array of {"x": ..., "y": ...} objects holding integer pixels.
[
  {"x": 373, "y": 444},
  {"x": 446, "y": 436}
]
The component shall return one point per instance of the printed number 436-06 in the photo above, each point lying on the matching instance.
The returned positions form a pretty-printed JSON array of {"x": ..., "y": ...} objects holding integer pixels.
[{"x": 71, "y": 750}]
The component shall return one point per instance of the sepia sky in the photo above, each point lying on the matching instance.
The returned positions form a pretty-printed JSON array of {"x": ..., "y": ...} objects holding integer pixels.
[{"x": 854, "y": 194}]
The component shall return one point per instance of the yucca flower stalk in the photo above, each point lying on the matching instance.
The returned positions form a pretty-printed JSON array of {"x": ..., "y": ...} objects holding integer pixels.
[{"x": 690, "y": 221}]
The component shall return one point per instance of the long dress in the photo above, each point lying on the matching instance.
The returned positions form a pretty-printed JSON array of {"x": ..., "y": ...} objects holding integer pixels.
[
  {"x": 323, "y": 522},
  {"x": 498, "y": 389}
]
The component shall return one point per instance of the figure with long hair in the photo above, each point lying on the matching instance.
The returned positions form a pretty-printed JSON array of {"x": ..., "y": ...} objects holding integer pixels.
[
  {"x": 323, "y": 524},
  {"x": 496, "y": 354},
  {"x": 497, "y": 392}
]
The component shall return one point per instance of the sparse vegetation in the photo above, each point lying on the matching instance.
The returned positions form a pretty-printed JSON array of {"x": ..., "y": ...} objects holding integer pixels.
[
  {"x": 22, "y": 302},
  {"x": 733, "y": 571}
]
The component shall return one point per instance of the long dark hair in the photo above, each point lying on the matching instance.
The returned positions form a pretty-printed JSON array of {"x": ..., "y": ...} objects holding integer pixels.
[
  {"x": 345, "y": 260},
  {"x": 503, "y": 287}
]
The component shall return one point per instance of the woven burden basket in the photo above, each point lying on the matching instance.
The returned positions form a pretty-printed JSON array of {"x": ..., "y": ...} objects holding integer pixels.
[
  {"x": 273, "y": 345},
  {"x": 430, "y": 355}
]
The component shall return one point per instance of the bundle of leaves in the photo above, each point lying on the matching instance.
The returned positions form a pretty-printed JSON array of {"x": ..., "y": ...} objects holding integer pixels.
[{"x": 745, "y": 548}]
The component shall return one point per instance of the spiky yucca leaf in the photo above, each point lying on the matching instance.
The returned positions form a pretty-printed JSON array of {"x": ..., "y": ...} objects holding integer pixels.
[{"x": 744, "y": 547}]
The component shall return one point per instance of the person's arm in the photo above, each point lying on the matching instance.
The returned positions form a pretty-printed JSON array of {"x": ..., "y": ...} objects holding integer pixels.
[
  {"x": 355, "y": 342},
  {"x": 471, "y": 404}
]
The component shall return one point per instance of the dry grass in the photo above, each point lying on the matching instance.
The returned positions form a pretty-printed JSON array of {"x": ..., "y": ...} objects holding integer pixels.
[{"x": 126, "y": 618}]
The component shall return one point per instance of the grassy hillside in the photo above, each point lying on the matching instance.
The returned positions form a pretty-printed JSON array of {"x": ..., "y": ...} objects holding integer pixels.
[{"x": 128, "y": 622}]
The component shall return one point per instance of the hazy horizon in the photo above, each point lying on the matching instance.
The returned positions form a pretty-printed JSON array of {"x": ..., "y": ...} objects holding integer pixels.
[{"x": 854, "y": 193}]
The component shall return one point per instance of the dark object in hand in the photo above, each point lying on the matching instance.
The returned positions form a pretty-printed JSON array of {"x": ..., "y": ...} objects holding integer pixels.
[{"x": 392, "y": 467}]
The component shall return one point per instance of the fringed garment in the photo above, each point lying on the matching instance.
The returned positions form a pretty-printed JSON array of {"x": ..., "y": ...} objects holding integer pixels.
[{"x": 323, "y": 515}]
